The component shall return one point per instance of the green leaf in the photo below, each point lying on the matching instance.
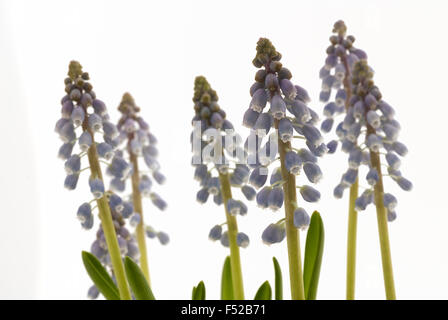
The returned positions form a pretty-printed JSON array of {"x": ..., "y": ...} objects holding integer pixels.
[
  {"x": 314, "y": 249},
  {"x": 137, "y": 281},
  {"x": 192, "y": 293},
  {"x": 226, "y": 281},
  {"x": 199, "y": 291},
  {"x": 264, "y": 292},
  {"x": 100, "y": 276},
  {"x": 278, "y": 280}
]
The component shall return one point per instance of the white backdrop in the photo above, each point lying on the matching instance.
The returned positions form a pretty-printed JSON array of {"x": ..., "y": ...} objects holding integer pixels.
[{"x": 154, "y": 49}]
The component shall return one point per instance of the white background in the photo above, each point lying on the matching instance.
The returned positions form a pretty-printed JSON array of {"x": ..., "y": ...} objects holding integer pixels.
[{"x": 154, "y": 49}]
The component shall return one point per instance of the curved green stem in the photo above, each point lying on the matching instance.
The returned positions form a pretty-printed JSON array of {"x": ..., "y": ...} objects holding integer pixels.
[
  {"x": 138, "y": 207},
  {"x": 232, "y": 230},
  {"x": 292, "y": 233},
  {"x": 383, "y": 231},
  {"x": 351, "y": 242},
  {"x": 107, "y": 223}
]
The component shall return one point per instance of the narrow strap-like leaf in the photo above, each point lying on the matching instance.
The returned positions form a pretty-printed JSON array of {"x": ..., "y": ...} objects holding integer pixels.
[
  {"x": 264, "y": 292},
  {"x": 199, "y": 291},
  {"x": 278, "y": 280},
  {"x": 226, "y": 281},
  {"x": 314, "y": 249},
  {"x": 137, "y": 281},
  {"x": 193, "y": 293},
  {"x": 100, "y": 276}
]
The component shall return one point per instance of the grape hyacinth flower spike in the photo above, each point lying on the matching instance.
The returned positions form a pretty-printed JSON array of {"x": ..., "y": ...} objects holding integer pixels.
[
  {"x": 279, "y": 104},
  {"x": 215, "y": 147},
  {"x": 76, "y": 115},
  {"x": 138, "y": 142},
  {"x": 385, "y": 136},
  {"x": 336, "y": 75},
  {"x": 368, "y": 127}
]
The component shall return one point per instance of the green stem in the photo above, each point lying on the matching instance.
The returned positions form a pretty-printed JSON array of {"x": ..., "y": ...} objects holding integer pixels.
[
  {"x": 138, "y": 207},
  {"x": 292, "y": 233},
  {"x": 232, "y": 230},
  {"x": 352, "y": 214},
  {"x": 381, "y": 213},
  {"x": 107, "y": 222},
  {"x": 351, "y": 242}
]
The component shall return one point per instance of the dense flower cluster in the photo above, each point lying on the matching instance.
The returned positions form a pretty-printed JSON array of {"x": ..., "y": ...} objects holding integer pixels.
[
  {"x": 120, "y": 210},
  {"x": 137, "y": 141},
  {"x": 368, "y": 125},
  {"x": 82, "y": 111},
  {"x": 368, "y": 110},
  {"x": 217, "y": 152},
  {"x": 341, "y": 54},
  {"x": 75, "y": 113},
  {"x": 287, "y": 112},
  {"x": 335, "y": 75}
]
